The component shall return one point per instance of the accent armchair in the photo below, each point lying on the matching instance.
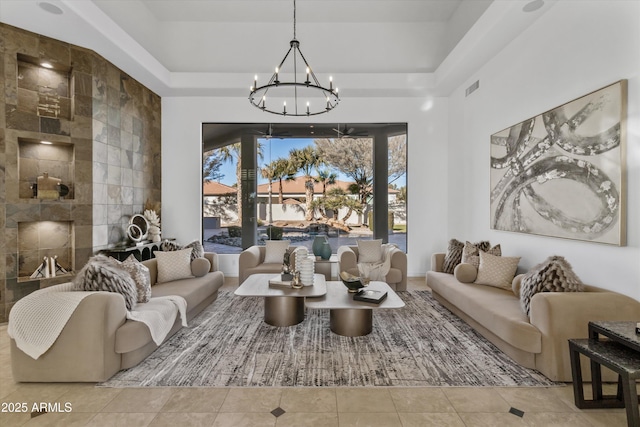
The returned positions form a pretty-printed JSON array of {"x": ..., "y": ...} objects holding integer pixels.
[
  {"x": 252, "y": 262},
  {"x": 397, "y": 275}
]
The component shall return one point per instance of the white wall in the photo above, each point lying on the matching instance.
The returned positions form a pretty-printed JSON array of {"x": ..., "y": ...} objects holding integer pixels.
[
  {"x": 427, "y": 143},
  {"x": 575, "y": 48}
]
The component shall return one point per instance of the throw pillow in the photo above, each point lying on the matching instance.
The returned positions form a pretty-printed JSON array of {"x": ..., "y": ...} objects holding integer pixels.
[
  {"x": 370, "y": 251},
  {"x": 453, "y": 256},
  {"x": 140, "y": 275},
  {"x": 200, "y": 267},
  {"x": 274, "y": 252},
  {"x": 553, "y": 275},
  {"x": 169, "y": 245},
  {"x": 516, "y": 283},
  {"x": 496, "y": 270},
  {"x": 197, "y": 249},
  {"x": 471, "y": 252},
  {"x": 103, "y": 273},
  {"x": 174, "y": 265},
  {"x": 465, "y": 273}
]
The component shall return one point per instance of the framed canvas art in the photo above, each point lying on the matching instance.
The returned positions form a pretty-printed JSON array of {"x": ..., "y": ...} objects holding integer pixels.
[{"x": 562, "y": 173}]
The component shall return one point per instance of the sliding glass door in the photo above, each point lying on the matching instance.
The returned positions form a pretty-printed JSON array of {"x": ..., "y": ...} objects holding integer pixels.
[{"x": 294, "y": 182}]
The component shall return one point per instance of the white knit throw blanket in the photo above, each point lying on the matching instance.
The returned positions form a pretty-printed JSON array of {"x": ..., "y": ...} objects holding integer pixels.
[
  {"x": 36, "y": 321},
  {"x": 159, "y": 314},
  {"x": 378, "y": 271}
]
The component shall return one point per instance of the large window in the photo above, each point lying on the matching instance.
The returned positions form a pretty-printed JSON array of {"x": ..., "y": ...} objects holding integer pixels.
[{"x": 309, "y": 180}]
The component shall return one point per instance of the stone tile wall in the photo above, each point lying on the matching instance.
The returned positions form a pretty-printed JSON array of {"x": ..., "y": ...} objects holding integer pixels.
[{"x": 110, "y": 126}]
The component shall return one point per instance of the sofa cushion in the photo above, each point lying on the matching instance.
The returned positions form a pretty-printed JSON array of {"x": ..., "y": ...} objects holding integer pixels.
[
  {"x": 140, "y": 275},
  {"x": 552, "y": 275},
  {"x": 197, "y": 251},
  {"x": 200, "y": 267},
  {"x": 471, "y": 252},
  {"x": 465, "y": 273},
  {"x": 174, "y": 265},
  {"x": 275, "y": 250},
  {"x": 516, "y": 283},
  {"x": 370, "y": 251},
  {"x": 134, "y": 335},
  {"x": 194, "y": 289},
  {"x": 169, "y": 245},
  {"x": 103, "y": 273},
  {"x": 496, "y": 309},
  {"x": 453, "y": 257},
  {"x": 496, "y": 271}
]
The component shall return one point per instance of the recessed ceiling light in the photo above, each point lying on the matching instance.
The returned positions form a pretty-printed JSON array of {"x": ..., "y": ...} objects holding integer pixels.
[
  {"x": 46, "y": 142},
  {"x": 46, "y": 65},
  {"x": 51, "y": 8},
  {"x": 533, "y": 5}
]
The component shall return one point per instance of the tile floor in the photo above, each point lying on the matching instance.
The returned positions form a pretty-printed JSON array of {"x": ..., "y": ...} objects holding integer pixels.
[{"x": 388, "y": 407}]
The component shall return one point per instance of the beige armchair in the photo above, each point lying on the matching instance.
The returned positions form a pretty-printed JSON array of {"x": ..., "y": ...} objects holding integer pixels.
[
  {"x": 252, "y": 262},
  {"x": 397, "y": 276}
]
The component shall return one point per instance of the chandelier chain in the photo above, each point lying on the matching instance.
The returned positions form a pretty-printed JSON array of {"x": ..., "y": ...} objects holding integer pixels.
[{"x": 294, "y": 19}]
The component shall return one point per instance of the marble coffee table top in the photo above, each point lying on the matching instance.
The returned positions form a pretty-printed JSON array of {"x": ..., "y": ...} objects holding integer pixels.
[
  {"x": 337, "y": 297},
  {"x": 257, "y": 285}
]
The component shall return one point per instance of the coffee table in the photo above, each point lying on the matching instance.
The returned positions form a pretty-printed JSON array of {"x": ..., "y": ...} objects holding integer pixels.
[
  {"x": 283, "y": 306},
  {"x": 348, "y": 317}
]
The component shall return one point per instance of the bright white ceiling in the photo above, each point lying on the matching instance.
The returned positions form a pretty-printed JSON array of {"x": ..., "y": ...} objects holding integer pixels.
[
  {"x": 249, "y": 36},
  {"x": 213, "y": 47}
]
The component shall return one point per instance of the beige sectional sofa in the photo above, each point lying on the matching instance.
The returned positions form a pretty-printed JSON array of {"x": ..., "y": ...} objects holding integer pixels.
[
  {"x": 98, "y": 340},
  {"x": 539, "y": 341}
]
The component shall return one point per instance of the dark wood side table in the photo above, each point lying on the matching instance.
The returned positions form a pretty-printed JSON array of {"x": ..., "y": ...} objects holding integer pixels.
[
  {"x": 620, "y": 352},
  {"x": 142, "y": 252}
]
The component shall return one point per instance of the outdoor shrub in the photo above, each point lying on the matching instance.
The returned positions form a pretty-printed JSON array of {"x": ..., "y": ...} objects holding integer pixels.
[
  {"x": 274, "y": 233},
  {"x": 235, "y": 231}
]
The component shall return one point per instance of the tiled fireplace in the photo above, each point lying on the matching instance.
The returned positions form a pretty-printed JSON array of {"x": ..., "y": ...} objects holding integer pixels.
[{"x": 90, "y": 127}]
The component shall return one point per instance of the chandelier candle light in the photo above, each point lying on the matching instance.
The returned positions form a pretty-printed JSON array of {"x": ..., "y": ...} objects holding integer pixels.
[{"x": 317, "y": 99}]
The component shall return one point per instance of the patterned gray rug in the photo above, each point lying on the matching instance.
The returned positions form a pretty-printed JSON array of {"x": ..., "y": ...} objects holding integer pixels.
[{"x": 422, "y": 344}]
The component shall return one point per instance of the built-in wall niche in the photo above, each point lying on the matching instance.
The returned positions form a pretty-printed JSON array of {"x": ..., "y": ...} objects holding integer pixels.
[
  {"x": 51, "y": 164},
  {"x": 44, "y": 87},
  {"x": 39, "y": 241}
]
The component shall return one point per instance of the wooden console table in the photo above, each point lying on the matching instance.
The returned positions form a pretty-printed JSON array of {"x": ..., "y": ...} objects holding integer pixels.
[{"x": 620, "y": 352}]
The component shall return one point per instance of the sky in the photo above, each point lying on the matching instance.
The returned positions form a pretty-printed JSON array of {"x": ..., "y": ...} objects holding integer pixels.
[{"x": 276, "y": 148}]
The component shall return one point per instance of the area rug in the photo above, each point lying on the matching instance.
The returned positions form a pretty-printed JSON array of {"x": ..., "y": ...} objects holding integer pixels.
[{"x": 422, "y": 344}]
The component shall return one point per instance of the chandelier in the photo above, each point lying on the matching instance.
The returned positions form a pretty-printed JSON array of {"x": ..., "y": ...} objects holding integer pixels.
[{"x": 306, "y": 96}]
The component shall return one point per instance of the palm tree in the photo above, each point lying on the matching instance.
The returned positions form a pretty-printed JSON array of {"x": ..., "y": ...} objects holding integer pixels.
[
  {"x": 325, "y": 177},
  {"x": 231, "y": 153},
  {"x": 283, "y": 170},
  {"x": 335, "y": 199},
  {"x": 306, "y": 160},
  {"x": 211, "y": 164},
  {"x": 268, "y": 172}
]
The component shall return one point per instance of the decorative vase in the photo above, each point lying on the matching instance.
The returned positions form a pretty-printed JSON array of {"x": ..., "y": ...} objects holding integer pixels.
[
  {"x": 299, "y": 254},
  {"x": 306, "y": 269},
  {"x": 318, "y": 242},
  {"x": 325, "y": 251}
]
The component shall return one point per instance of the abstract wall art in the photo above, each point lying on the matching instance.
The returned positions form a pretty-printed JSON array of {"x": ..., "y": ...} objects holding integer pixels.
[{"x": 562, "y": 173}]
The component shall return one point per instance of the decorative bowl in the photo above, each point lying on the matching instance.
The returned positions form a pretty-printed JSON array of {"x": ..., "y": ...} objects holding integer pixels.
[{"x": 353, "y": 283}]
